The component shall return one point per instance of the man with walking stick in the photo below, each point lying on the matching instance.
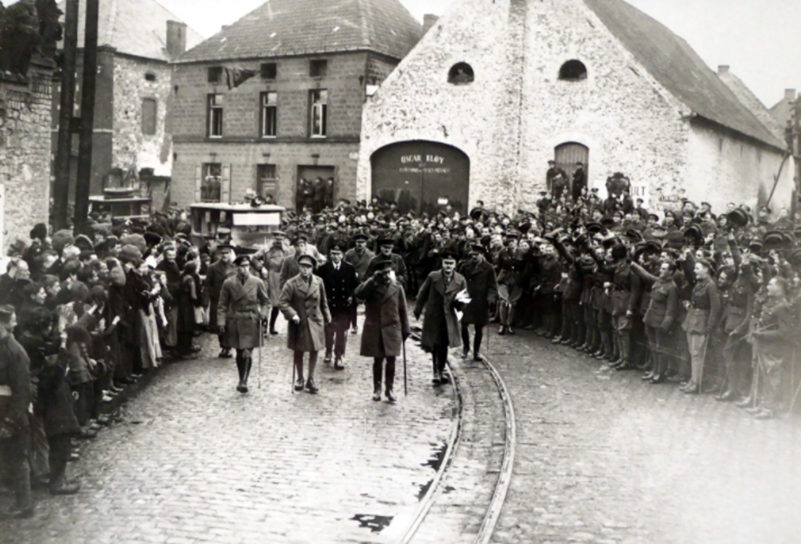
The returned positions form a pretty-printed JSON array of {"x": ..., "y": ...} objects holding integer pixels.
[
  {"x": 386, "y": 325},
  {"x": 243, "y": 305}
]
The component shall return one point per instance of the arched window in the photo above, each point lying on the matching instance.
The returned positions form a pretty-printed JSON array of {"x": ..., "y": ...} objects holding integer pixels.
[
  {"x": 461, "y": 74},
  {"x": 573, "y": 70}
]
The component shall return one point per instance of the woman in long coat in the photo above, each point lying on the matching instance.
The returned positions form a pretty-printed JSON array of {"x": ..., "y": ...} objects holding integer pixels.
[
  {"x": 440, "y": 325},
  {"x": 386, "y": 325},
  {"x": 305, "y": 307}
]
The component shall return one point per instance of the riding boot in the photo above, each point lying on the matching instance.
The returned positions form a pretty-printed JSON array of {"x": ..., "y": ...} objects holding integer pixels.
[{"x": 378, "y": 362}]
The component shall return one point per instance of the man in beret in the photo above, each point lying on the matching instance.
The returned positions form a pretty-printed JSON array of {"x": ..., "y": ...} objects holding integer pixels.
[
  {"x": 386, "y": 326},
  {"x": 243, "y": 305},
  {"x": 15, "y": 399},
  {"x": 222, "y": 269},
  {"x": 339, "y": 279}
]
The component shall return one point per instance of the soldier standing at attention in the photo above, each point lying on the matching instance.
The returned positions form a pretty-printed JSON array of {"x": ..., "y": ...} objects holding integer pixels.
[
  {"x": 243, "y": 305},
  {"x": 386, "y": 325}
]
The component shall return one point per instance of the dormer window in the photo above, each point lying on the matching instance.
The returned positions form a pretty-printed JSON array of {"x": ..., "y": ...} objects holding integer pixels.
[
  {"x": 461, "y": 74},
  {"x": 573, "y": 70}
]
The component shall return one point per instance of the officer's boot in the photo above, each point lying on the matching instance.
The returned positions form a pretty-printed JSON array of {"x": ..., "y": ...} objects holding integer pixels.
[
  {"x": 377, "y": 364},
  {"x": 240, "y": 366},
  {"x": 390, "y": 380},
  {"x": 248, "y": 363}
]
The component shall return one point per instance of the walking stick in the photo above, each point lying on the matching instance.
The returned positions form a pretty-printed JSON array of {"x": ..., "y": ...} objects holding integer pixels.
[
  {"x": 405, "y": 388},
  {"x": 261, "y": 343}
]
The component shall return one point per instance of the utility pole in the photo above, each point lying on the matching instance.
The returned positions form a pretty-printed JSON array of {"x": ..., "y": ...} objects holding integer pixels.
[
  {"x": 83, "y": 184},
  {"x": 64, "y": 148}
]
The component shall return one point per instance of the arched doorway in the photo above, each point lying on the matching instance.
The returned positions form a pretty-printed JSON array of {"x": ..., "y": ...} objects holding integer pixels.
[
  {"x": 568, "y": 154},
  {"x": 421, "y": 176}
]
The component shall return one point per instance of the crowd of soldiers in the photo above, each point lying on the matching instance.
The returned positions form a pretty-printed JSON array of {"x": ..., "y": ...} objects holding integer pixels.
[{"x": 708, "y": 301}]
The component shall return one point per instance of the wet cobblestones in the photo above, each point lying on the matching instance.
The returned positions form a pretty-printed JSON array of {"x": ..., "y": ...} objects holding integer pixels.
[
  {"x": 195, "y": 461},
  {"x": 602, "y": 457}
]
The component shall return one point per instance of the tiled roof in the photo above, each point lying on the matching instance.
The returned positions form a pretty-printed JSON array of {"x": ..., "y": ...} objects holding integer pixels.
[
  {"x": 750, "y": 100},
  {"x": 299, "y": 27},
  {"x": 135, "y": 27},
  {"x": 674, "y": 64}
]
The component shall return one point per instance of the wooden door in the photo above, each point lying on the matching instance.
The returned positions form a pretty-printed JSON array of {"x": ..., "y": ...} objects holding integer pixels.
[{"x": 568, "y": 154}]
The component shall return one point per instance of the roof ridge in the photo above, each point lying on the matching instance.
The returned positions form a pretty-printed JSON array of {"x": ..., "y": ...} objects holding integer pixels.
[
  {"x": 112, "y": 20},
  {"x": 366, "y": 21}
]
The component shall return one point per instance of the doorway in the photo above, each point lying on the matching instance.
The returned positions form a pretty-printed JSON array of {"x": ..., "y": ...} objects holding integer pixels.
[{"x": 570, "y": 153}]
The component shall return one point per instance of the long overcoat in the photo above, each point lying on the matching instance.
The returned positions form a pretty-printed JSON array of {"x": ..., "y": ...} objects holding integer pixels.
[
  {"x": 359, "y": 262},
  {"x": 482, "y": 286},
  {"x": 273, "y": 261},
  {"x": 386, "y": 320},
  {"x": 439, "y": 302},
  {"x": 216, "y": 276},
  {"x": 307, "y": 301},
  {"x": 240, "y": 307}
]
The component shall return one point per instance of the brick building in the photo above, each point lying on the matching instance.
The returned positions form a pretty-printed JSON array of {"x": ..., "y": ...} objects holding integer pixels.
[
  {"x": 497, "y": 88},
  {"x": 136, "y": 40},
  {"x": 278, "y": 96}
]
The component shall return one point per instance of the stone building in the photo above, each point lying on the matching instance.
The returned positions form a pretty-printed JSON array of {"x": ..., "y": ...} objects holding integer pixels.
[
  {"x": 136, "y": 40},
  {"x": 499, "y": 87},
  {"x": 24, "y": 151},
  {"x": 277, "y": 97}
]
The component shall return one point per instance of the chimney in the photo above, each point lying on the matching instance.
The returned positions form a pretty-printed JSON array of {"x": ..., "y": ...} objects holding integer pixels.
[
  {"x": 789, "y": 94},
  {"x": 723, "y": 69},
  {"x": 429, "y": 20},
  {"x": 176, "y": 39}
]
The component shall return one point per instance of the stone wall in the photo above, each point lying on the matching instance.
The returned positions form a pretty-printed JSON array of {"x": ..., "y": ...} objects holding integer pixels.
[
  {"x": 722, "y": 169},
  {"x": 517, "y": 111},
  {"x": 25, "y": 153},
  {"x": 133, "y": 148},
  {"x": 416, "y": 102}
]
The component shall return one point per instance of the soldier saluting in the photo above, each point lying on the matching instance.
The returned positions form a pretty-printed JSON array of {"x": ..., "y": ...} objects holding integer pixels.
[{"x": 243, "y": 304}]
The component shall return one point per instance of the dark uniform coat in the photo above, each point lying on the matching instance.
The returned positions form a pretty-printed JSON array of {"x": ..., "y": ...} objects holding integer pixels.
[
  {"x": 306, "y": 300},
  {"x": 398, "y": 266},
  {"x": 483, "y": 289},
  {"x": 386, "y": 321},
  {"x": 15, "y": 384},
  {"x": 440, "y": 313},
  {"x": 216, "y": 276},
  {"x": 239, "y": 309},
  {"x": 339, "y": 287}
]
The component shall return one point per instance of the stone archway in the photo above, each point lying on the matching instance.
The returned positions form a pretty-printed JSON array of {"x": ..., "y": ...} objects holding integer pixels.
[{"x": 421, "y": 176}]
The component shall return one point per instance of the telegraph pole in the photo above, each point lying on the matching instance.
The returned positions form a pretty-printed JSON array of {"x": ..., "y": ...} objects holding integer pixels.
[
  {"x": 83, "y": 184},
  {"x": 64, "y": 147}
]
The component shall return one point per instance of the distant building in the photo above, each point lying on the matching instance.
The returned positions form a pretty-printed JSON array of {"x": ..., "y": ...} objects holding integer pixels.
[
  {"x": 277, "y": 97},
  {"x": 782, "y": 111},
  {"x": 136, "y": 40},
  {"x": 495, "y": 90}
]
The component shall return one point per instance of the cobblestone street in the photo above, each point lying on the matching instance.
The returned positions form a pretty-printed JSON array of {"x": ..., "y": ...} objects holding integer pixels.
[
  {"x": 602, "y": 457},
  {"x": 195, "y": 461}
]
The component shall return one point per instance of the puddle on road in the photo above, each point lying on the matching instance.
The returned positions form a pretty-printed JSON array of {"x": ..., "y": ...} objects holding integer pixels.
[
  {"x": 376, "y": 524},
  {"x": 436, "y": 456},
  {"x": 424, "y": 489}
]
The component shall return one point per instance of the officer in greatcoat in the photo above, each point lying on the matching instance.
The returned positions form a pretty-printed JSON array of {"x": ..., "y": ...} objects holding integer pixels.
[
  {"x": 441, "y": 324},
  {"x": 305, "y": 307},
  {"x": 386, "y": 325},
  {"x": 244, "y": 303},
  {"x": 482, "y": 286},
  {"x": 339, "y": 278},
  {"x": 220, "y": 271},
  {"x": 385, "y": 247}
]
